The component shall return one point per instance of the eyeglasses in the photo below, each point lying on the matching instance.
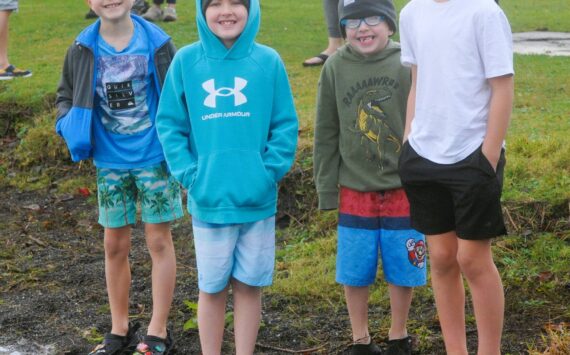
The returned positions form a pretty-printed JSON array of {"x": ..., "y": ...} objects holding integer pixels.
[{"x": 354, "y": 23}]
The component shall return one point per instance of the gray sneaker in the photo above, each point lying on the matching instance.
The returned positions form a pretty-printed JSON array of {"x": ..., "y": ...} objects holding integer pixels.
[
  {"x": 139, "y": 7},
  {"x": 169, "y": 14},
  {"x": 153, "y": 14}
]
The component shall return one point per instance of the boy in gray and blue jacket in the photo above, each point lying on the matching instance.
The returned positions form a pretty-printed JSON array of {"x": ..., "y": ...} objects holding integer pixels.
[
  {"x": 107, "y": 100},
  {"x": 228, "y": 126}
]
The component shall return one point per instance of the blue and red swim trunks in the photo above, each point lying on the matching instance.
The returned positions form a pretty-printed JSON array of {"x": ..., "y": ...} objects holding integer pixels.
[{"x": 373, "y": 225}]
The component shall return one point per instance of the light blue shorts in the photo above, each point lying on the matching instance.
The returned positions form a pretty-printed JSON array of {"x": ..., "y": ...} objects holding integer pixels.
[
  {"x": 8, "y": 5},
  {"x": 245, "y": 252},
  {"x": 118, "y": 191}
]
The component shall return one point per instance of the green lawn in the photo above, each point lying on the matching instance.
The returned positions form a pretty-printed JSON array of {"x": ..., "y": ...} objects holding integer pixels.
[{"x": 42, "y": 30}]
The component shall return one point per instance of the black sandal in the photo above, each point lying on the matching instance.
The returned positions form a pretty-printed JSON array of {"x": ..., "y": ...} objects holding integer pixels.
[
  {"x": 117, "y": 345},
  {"x": 323, "y": 57},
  {"x": 152, "y": 345}
]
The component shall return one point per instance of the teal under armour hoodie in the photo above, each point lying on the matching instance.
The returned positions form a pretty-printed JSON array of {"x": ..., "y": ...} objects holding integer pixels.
[{"x": 227, "y": 123}]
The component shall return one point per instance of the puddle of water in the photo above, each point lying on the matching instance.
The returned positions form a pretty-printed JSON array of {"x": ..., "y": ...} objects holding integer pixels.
[
  {"x": 27, "y": 348},
  {"x": 549, "y": 43}
]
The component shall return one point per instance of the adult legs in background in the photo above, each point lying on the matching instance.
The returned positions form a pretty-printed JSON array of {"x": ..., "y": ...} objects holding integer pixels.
[
  {"x": 335, "y": 39},
  {"x": 8, "y": 71},
  {"x": 4, "y": 18},
  {"x": 155, "y": 12}
]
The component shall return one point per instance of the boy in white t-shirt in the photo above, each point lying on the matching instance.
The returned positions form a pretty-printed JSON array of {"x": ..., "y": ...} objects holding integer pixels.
[{"x": 452, "y": 163}]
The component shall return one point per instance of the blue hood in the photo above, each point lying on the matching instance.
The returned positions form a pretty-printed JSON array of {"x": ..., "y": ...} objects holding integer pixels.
[
  {"x": 213, "y": 46},
  {"x": 156, "y": 36}
]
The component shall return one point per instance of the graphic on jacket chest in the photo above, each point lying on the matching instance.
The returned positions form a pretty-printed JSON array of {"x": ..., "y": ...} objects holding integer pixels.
[
  {"x": 223, "y": 93},
  {"x": 122, "y": 84},
  {"x": 375, "y": 128}
]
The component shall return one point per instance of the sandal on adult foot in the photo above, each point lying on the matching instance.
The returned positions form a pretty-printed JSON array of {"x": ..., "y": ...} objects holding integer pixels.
[
  {"x": 116, "y": 344},
  {"x": 11, "y": 72},
  {"x": 322, "y": 59},
  {"x": 152, "y": 345}
]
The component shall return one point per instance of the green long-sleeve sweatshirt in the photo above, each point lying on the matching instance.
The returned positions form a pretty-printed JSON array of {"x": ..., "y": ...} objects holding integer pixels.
[{"x": 361, "y": 111}]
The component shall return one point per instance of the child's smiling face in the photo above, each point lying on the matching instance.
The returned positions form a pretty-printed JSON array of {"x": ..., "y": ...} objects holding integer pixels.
[
  {"x": 369, "y": 40},
  {"x": 111, "y": 9},
  {"x": 226, "y": 19}
]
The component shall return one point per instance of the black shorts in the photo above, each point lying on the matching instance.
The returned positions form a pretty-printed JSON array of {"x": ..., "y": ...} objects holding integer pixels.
[{"x": 464, "y": 197}]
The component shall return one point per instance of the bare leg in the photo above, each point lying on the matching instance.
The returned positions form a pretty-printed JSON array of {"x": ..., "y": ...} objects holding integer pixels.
[
  {"x": 476, "y": 261},
  {"x": 357, "y": 304},
  {"x": 335, "y": 40},
  {"x": 400, "y": 302},
  {"x": 4, "y": 18},
  {"x": 211, "y": 316},
  {"x": 159, "y": 243},
  {"x": 118, "y": 275},
  {"x": 334, "y": 44},
  {"x": 247, "y": 316},
  {"x": 448, "y": 290}
]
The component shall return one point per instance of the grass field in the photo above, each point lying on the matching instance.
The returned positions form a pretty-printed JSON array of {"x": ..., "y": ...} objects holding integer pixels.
[{"x": 534, "y": 260}]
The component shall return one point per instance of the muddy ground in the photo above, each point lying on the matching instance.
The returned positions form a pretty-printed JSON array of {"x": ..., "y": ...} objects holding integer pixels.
[{"x": 53, "y": 290}]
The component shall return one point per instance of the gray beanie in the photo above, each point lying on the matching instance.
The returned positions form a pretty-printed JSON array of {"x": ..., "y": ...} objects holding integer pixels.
[
  {"x": 355, "y": 9},
  {"x": 205, "y": 4}
]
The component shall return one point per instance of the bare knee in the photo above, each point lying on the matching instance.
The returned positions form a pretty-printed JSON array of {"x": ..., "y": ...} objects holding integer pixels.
[
  {"x": 117, "y": 243},
  {"x": 475, "y": 259},
  {"x": 158, "y": 239},
  {"x": 219, "y": 296},
  {"x": 443, "y": 261},
  {"x": 472, "y": 265},
  {"x": 158, "y": 245},
  {"x": 243, "y": 289},
  {"x": 114, "y": 250}
]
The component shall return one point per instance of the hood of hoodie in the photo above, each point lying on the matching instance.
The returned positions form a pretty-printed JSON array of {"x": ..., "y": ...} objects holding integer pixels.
[
  {"x": 156, "y": 36},
  {"x": 213, "y": 46},
  {"x": 347, "y": 52}
]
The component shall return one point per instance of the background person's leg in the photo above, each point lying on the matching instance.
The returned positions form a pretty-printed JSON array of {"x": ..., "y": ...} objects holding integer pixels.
[
  {"x": 335, "y": 39},
  {"x": 4, "y": 19}
]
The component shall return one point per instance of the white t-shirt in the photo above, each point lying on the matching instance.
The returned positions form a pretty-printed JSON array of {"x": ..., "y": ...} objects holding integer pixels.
[{"x": 457, "y": 45}]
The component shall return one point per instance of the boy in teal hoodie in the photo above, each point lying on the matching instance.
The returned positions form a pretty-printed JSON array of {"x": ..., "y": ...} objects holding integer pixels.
[
  {"x": 228, "y": 126},
  {"x": 361, "y": 111}
]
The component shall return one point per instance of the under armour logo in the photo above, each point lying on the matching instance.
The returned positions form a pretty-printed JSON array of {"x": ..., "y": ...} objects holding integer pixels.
[{"x": 210, "y": 87}]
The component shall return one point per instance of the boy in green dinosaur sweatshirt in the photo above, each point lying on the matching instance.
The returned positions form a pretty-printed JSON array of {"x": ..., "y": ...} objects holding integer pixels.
[{"x": 361, "y": 110}]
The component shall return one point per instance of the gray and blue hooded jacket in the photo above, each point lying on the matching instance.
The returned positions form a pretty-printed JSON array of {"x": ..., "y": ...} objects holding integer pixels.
[{"x": 76, "y": 89}]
